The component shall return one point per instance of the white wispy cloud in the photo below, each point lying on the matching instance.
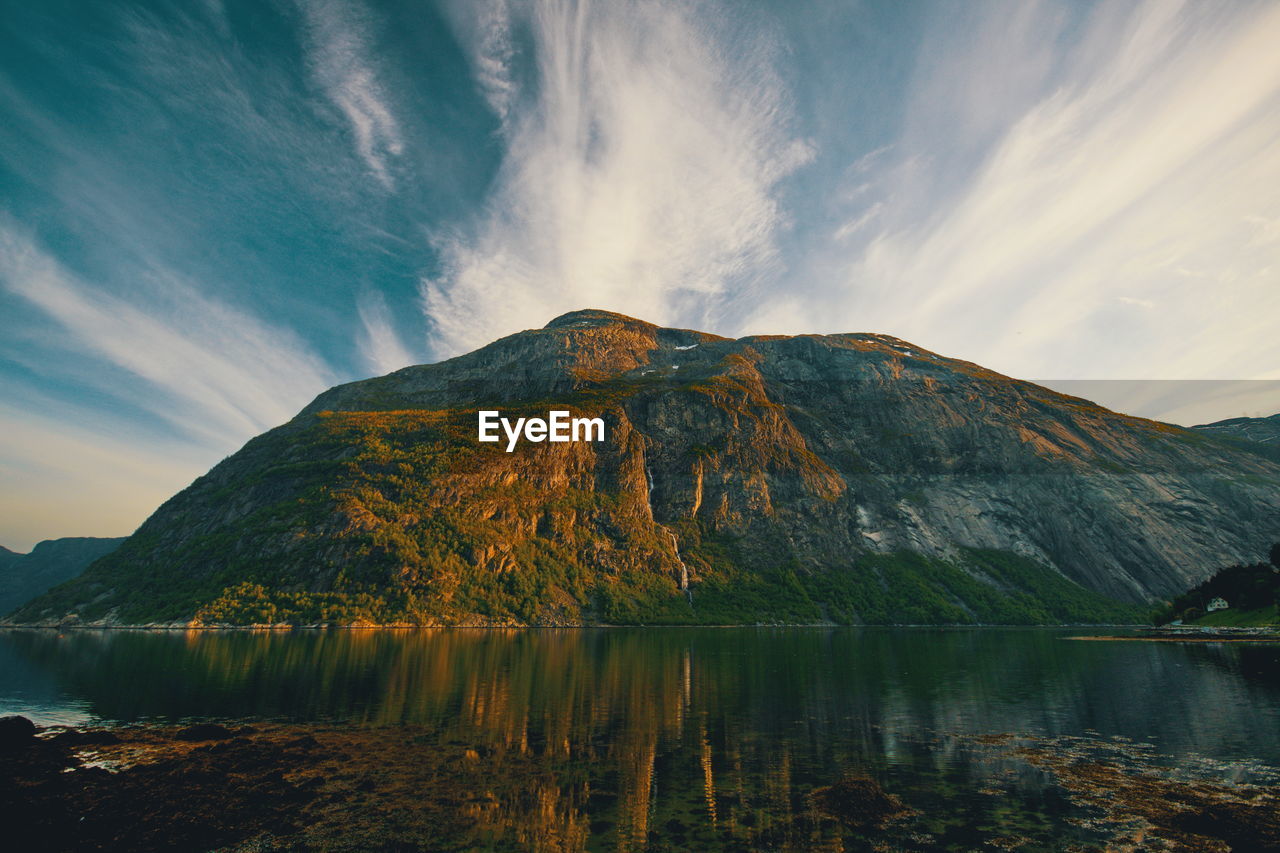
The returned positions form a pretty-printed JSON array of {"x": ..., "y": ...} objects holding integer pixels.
[
  {"x": 340, "y": 57},
  {"x": 1129, "y": 146},
  {"x": 192, "y": 379},
  {"x": 493, "y": 57},
  {"x": 643, "y": 153},
  {"x": 380, "y": 344},
  {"x": 859, "y": 222},
  {"x": 1188, "y": 402},
  {"x": 218, "y": 374}
]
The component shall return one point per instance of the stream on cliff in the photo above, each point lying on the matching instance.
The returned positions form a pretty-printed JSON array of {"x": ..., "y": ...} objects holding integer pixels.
[{"x": 736, "y": 738}]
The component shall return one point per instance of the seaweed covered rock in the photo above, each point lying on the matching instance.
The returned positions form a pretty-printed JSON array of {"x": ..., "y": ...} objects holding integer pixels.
[{"x": 16, "y": 732}]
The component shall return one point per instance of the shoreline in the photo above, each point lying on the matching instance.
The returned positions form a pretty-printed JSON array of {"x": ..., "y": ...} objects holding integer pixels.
[
  {"x": 1193, "y": 634},
  {"x": 1267, "y": 638},
  {"x": 180, "y": 626}
]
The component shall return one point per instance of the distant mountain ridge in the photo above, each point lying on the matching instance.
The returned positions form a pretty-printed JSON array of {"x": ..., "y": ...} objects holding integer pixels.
[
  {"x": 51, "y": 562},
  {"x": 1262, "y": 430},
  {"x": 849, "y": 478}
]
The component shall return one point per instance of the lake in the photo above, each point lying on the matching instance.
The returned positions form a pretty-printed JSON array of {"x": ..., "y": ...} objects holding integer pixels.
[{"x": 733, "y": 738}]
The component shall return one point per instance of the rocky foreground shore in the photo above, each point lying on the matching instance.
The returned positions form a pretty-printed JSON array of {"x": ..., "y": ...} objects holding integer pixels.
[{"x": 331, "y": 787}]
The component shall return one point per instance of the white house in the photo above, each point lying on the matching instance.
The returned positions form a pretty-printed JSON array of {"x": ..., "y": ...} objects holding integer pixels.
[{"x": 1218, "y": 604}]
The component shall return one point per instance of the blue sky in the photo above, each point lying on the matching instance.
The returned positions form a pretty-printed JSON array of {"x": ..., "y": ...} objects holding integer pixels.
[{"x": 211, "y": 211}]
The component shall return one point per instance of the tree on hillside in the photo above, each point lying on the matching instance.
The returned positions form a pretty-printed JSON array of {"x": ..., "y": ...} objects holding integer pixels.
[{"x": 1243, "y": 587}]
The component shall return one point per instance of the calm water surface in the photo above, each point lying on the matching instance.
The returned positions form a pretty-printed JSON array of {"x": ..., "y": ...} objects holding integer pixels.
[{"x": 710, "y": 737}]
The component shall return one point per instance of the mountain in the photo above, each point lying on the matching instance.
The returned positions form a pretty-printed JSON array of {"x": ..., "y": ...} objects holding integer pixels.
[
  {"x": 1262, "y": 430},
  {"x": 24, "y": 576},
  {"x": 848, "y": 478}
]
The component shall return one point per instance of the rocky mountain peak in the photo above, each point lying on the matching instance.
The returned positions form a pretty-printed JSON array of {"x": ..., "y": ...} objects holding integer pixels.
[
  {"x": 594, "y": 318},
  {"x": 807, "y": 478}
]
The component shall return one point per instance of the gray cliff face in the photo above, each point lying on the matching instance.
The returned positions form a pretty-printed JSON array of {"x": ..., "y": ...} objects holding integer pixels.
[{"x": 812, "y": 453}]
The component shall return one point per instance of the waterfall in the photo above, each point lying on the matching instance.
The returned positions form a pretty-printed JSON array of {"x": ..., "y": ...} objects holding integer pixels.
[
  {"x": 684, "y": 570},
  {"x": 675, "y": 543}
]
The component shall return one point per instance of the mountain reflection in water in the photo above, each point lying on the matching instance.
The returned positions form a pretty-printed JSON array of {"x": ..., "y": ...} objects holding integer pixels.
[{"x": 627, "y": 738}]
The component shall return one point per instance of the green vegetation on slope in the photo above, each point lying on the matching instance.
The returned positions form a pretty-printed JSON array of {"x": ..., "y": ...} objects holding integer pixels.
[
  {"x": 903, "y": 588},
  {"x": 1233, "y": 617},
  {"x": 895, "y": 589},
  {"x": 881, "y": 589}
]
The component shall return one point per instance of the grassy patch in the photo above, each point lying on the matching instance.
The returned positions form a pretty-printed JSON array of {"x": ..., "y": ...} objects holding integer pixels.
[{"x": 1260, "y": 618}]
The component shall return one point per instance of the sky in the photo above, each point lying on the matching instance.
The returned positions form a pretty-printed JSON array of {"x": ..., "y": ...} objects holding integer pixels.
[{"x": 210, "y": 211}]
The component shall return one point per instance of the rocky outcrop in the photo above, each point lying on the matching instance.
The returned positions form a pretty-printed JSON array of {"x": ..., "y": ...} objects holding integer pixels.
[{"x": 848, "y": 478}]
